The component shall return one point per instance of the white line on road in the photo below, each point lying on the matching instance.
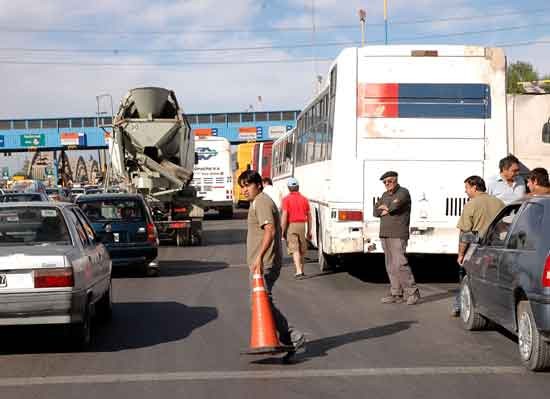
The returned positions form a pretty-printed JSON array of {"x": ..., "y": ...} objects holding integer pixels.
[{"x": 253, "y": 375}]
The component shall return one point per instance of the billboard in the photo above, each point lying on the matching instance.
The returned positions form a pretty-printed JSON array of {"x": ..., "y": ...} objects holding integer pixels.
[
  {"x": 32, "y": 140},
  {"x": 207, "y": 131},
  {"x": 73, "y": 139},
  {"x": 276, "y": 131},
  {"x": 250, "y": 132}
]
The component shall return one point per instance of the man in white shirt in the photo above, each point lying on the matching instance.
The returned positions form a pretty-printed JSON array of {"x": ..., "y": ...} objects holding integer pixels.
[
  {"x": 507, "y": 186},
  {"x": 272, "y": 192}
]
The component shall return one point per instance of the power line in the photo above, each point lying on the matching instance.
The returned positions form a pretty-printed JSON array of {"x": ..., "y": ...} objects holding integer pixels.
[
  {"x": 247, "y": 62},
  {"x": 267, "y": 30},
  {"x": 195, "y": 63},
  {"x": 466, "y": 33},
  {"x": 266, "y": 47}
]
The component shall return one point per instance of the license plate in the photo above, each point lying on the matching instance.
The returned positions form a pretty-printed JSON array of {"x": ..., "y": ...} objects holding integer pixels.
[
  {"x": 177, "y": 225},
  {"x": 16, "y": 280},
  {"x": 116, "y": 237}
]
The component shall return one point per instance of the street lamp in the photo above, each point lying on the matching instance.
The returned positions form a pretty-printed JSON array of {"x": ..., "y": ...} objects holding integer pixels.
[
  {"x": 362, "y": 20},
  {"x": 105, "y": 166}
]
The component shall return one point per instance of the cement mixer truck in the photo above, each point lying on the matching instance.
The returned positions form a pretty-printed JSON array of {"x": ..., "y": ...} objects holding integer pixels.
[{"x": 153, "y": 153}]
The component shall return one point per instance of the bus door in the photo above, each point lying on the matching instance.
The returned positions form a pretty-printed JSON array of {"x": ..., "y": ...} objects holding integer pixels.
[{"x": 266, "y": 159}]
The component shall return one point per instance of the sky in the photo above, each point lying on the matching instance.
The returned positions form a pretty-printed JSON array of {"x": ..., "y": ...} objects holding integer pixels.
[{"x": 57, "y": 56}]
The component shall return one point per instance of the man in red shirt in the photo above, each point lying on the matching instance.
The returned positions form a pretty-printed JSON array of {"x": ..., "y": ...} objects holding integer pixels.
[{"x": 296, "y": 225}]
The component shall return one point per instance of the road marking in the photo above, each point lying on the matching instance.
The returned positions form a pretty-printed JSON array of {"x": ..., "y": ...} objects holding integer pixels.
[{"x": 255, "y": 374}]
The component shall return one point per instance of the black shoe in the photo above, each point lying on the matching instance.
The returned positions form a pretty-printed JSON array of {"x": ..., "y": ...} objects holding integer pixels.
[
  {"x": 299, "y": 276},
  {"x": 455, "y": 313}
]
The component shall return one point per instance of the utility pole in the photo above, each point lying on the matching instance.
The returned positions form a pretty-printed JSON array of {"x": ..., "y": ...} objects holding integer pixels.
[
  {"x": 362, "y": 21},
  {"x": 386, "y": 21}
]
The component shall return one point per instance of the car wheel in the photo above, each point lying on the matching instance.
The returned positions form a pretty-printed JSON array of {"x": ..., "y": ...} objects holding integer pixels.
[
  {"x": 81, "y": 333},
  {"x": 104, "y": 307},
  {"x": 534, "y": 351},
  {"x": 152, "y": 272},
  {"x": 471, "y": 320}
]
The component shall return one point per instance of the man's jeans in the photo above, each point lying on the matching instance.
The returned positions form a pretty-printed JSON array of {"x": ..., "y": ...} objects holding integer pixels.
[
  {"x": 461, "y": 274},
  {"x": 287, "y": 334}
]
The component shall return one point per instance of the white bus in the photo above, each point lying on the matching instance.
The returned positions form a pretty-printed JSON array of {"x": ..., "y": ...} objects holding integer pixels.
[
  {"x": 434, "y": 114},
  {"x": 212, "y": 175}
]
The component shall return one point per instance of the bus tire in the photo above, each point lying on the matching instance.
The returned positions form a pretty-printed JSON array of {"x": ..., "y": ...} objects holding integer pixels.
[{"x": 326, "y": 261}]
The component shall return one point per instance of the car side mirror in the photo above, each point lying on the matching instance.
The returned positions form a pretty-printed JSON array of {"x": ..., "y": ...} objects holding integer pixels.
[{"x": 471, "y": 238}]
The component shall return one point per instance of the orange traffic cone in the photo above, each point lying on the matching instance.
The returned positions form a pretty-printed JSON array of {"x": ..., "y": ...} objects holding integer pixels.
[{"x": 263, "y": 334}]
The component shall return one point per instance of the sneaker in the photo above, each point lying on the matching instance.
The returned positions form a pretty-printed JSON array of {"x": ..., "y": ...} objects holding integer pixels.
[
  {"x": 455, "y": 313},
  {"x": 298, "y": 276},
  {"x": 413, "y": 299},
  {"x": 299, "y": 343},
  {"x": 392, "y": 299}
]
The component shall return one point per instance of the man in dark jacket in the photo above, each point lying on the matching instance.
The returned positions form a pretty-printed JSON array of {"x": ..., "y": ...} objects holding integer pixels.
[{"x": 394, "y": 211}]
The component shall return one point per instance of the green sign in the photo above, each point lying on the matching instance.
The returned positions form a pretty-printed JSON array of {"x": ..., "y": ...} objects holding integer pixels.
[{"x": 33, "y": 140}]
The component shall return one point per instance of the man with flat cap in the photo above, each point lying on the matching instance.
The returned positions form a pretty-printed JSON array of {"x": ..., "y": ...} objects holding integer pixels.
[{"x": 394, "y": 211}]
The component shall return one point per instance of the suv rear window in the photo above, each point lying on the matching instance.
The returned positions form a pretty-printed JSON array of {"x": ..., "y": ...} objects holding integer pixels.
[
  {"x": 32, "y": 226},
  {"x": 20, "y": 197},
  {"x": 113, "y": 210}
]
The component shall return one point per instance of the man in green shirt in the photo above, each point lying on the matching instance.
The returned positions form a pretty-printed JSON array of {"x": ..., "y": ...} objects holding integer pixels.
[
  {"x": 264, "y": 248},
  {"x": 476, "y": 217}
]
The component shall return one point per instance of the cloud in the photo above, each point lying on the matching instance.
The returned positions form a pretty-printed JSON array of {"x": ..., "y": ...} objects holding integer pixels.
[{"x": 56, "y": 91}]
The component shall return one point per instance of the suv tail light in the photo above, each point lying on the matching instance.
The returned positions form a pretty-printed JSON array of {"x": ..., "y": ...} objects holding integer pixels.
[
  {"x": 152, "y": 233},
  {"x": 546, "y": 273},
  {"x": 51, "y": 278},
  {"x": 350, "y": 216}
]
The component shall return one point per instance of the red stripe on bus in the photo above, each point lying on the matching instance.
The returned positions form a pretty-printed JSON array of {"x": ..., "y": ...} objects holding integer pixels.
[{"x": 378, "y": 100}]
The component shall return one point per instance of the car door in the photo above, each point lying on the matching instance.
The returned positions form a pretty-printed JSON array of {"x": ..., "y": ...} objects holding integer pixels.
[
  {"x": 104, "y": 261},
  {"x": 519, "y": 261},
  {"x": 489, "y": 256},
  {"x": 91, "y": 271}
]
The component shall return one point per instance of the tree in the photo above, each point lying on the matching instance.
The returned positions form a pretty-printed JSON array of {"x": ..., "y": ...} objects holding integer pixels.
[
  {"x": 519, "y": 72},
  {"x": 546, "y": 84}
]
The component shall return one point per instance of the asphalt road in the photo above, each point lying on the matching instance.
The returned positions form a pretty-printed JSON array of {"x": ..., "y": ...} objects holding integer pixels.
[{"x": 180, "y": 335}]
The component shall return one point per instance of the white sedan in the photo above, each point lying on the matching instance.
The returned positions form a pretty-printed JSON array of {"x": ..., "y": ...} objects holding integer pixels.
[{"x": 53, "y": 270}]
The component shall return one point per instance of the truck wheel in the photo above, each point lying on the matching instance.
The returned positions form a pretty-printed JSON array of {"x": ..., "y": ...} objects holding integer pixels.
[
  {"x": 534, "y": 350},
  {"x": 471, "y": 320},
  {"x": 196, "y": 239},
  {"x": 179, "y": 239}
]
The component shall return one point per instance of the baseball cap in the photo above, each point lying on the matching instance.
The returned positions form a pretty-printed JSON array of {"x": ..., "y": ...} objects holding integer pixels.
[
  {"x": 292, "y": 182},
  {"x": 389, "y": 173}
]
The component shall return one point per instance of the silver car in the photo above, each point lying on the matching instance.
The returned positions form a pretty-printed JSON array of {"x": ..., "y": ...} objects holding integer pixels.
[{"x": 53, "y": 270}]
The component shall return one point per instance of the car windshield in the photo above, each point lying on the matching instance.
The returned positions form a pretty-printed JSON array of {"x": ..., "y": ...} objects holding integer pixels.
[
  {"x": 52, "y": 191},
  {"x": 20, "y": 198},
  {"x": 112, "y": 210},
  {"x": 32, "y": 226}
]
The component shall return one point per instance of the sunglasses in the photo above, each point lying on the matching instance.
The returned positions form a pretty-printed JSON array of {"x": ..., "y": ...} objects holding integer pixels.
[{"x": 388, "y": 181}]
